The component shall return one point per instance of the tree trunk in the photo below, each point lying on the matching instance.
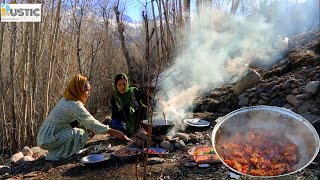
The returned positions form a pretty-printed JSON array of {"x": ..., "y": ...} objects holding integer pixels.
[
  {"x": 157, "y": 36},
  {"x": 164, "y": 47},
  {"x": 234, "y": 6},
  {"x": 187, "y": 15},
  {"x": 130, "y": 60},
  {"x": 52, "y": 48},
  {"x": 79, "y": 24},
  {"x": 94, "y": 52},
  {"x": 33, "y": 45},
  {"x": 4, "y": 126},
  {"x": 24, "y": 78},
  {"x": 14, "y": 125},
  {"x": 169, "y": 40},
  {"x": 180, "y": 14}
]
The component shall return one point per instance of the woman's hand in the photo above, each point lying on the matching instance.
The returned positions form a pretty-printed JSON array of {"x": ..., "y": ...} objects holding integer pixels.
[
  {"x": 142, "y": 134},
  {"x": 120, "y": 135}
]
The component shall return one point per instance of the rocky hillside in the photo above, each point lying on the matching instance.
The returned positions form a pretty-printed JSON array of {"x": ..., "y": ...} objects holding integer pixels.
[{"x": 292, "y": 83}]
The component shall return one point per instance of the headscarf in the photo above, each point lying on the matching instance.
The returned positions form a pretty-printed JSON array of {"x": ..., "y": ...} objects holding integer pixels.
[
  {"x": 125, "y": 99},
  {"x": 74, "y": 91}
]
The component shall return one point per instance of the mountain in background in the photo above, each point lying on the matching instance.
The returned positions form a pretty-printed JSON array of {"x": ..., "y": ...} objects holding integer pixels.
[{"x": 128, "y": 19}]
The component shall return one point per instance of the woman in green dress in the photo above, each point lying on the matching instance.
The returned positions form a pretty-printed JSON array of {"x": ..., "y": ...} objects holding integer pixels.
[
  {"x": 128, "y": 109},
  {"x": 56, "y": 133}
]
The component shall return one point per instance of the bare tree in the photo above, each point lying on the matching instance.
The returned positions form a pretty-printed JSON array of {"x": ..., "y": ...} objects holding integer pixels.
[
  {"x": 78, "y": 23},
  {"x": 234, "y": 6},
  {"x": 95, "y": 46},
  {"x": 180, "y": 14},
  {"x": 52, "y": 46},
  {"x": 4, "y": 127},
  {"x": 187, "y": 15},
  {"x": 170, "y": 40},
  {"x": 14, "y": 124},
  {"x": 132, "y": 66},
  {"x": 156, "y": 34}
]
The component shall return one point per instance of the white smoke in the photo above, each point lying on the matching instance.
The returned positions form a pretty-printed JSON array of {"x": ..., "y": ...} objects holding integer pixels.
[
  {"x": 294, "y": 17},
  {"x": 220, "y": 48}
]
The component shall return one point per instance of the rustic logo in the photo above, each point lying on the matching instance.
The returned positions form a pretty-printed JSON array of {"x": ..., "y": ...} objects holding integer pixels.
[{"x": 20, "y": 12}]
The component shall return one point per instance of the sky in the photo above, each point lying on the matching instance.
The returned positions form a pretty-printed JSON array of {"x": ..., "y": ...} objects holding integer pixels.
[{"x": 135, "y": 7}]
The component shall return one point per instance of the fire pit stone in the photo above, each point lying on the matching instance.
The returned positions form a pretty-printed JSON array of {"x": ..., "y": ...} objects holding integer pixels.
[
  {"x": 180, "y": 144},
  {"x": 167, "y": 145},
  {"x": 183, "y": 136}
]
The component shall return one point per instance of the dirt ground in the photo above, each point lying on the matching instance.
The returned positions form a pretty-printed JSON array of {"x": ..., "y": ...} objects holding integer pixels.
[{"x": 173, "y": 167}]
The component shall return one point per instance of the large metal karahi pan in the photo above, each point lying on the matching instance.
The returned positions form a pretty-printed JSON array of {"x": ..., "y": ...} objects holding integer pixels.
[
  {"x": 281, "y": 120},
  {"x": 159, "y": 126}
]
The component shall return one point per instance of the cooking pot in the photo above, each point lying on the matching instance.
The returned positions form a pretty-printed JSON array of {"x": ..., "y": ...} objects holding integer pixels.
[
  {"x": 159, "y": 126},
  {"x": 275, "y": 119}
]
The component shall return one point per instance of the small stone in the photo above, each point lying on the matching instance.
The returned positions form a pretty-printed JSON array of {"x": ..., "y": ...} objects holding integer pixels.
[
  {"x": 286, "y": 85},
  {"x": 288, "y": 91},
  {"x": 295, "y": 91},
  {"x": 180, "y": 144},
  {"x": 5, "y": 169},
  {"x": 265, "y": 98},
  {"x": 26, "y": 151},
  {"x": 28, "y": 158},
  {"x": 155, "y": 160},
  {"x": 174, "y": 140},
  {"x": 254, "y": 100},
  {"x": 292, "y": 99},
  {"x": 16, "y": 157},
  {"x": 303, "y": 96},
  {"x": 274, "y": 88},
  {"x": 262, "y": 102},
  {"x": 244, "y": 101}
]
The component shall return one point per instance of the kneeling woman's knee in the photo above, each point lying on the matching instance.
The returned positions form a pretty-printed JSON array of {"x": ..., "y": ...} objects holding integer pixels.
[{"x": 117, "y": 124}]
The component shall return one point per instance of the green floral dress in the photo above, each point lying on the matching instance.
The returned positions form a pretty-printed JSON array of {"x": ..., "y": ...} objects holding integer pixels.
[{"x": 58, "y": 137}]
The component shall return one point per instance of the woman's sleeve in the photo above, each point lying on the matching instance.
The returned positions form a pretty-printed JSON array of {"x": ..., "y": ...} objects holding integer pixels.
[
  {"x": 140, "y": 97},
  {"x": 141, "y": 114},
  {"x": 87, "y": 120},
  {"x": 116, "y": 113}
]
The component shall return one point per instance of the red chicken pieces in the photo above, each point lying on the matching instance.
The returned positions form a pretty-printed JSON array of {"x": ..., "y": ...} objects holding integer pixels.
[{"x": 260, "y": 152}]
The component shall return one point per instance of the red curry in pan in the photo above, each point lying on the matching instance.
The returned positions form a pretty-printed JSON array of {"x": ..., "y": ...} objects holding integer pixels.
[{"x": 259, "y": 152}]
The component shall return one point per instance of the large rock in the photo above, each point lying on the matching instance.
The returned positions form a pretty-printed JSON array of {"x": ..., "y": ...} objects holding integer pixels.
[
  {"x": 183, "y": 136},
  {"x": 313, "y": 87},
  {"x": 251, "y": 79},
  {"x": 167, "y": 145}
]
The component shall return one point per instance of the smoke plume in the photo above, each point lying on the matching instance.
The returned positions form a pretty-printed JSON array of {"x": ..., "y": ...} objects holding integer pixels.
[{"x": 219, "y": 50}]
